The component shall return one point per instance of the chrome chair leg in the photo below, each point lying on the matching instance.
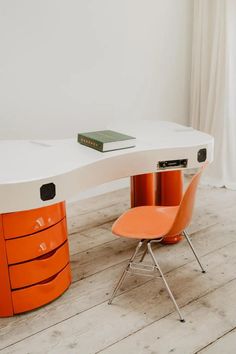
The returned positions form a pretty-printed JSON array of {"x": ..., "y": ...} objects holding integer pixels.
[
  {"x": 144, "y": 252},
  {"x": 164, "y": 280},
  {"x": 124, "y": 274},
  {"x": 194, "y": 252}
]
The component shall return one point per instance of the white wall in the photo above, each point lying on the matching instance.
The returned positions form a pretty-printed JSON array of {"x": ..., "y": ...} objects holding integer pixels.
[{"x": 72, "y": 65}]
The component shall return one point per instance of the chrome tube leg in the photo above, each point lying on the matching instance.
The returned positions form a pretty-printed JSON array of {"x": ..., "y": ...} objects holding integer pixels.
[
  {"x": 122, "y": 278},
  {"x": 164, "y": 280},
  {"x": 124, "y": 274},
  {"x": 194, "y": 252},
  {"x": 144, "y": 253}
]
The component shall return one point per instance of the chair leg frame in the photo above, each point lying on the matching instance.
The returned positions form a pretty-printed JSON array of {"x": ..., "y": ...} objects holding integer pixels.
[
  {"x": 193, "y": 250},
  {"x": 144, "y": 252},
  {"x": 125, "y": 272},
  {"x": 148, "y": 249},
  {"x": 158, "y": 268}
]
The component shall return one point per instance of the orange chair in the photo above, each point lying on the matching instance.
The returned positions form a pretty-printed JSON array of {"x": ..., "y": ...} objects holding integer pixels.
[{"x": 151, "y": 224}]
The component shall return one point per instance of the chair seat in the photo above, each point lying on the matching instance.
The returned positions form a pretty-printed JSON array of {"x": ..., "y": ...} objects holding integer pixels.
[{"x": 145, "y": 222}]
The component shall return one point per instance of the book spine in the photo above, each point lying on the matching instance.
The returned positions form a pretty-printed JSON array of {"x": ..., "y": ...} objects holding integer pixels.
[{"x": 94, "y": 144}]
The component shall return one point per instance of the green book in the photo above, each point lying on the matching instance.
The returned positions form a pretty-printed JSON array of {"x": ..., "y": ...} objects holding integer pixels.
[{"x": 106, "y": 140}]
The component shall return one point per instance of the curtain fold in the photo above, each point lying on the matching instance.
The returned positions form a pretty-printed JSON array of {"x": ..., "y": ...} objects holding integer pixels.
[{"x": 213, "y": 89}]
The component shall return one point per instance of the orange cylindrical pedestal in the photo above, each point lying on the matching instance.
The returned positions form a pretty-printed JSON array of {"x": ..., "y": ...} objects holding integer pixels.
[
  {"x": 34, "y": 258},
  {"x": 169, "y": 188},
  {"x": 164, "y": 188},
  {"x": 170, "y": 191},
  {"x": 142, "y": 188}
]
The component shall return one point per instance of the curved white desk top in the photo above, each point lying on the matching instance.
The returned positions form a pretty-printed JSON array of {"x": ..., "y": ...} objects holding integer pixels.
[{"x": 27, "y": 165}]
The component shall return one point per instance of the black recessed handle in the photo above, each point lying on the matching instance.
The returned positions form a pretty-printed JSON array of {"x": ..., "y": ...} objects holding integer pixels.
[
  {"x": 202, "y": 155},
  {"x": 47, "y": 191}
]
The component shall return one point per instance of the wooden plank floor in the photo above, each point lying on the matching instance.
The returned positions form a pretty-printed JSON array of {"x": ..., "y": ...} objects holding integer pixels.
[{"x": 142, "y": 318}]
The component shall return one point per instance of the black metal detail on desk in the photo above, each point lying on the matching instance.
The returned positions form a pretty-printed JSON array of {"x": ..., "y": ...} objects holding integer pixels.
[
  {"x": 182, "y": 163},
  {"x": 47, "y": 191},
  {"x": 202, "y": 155}
]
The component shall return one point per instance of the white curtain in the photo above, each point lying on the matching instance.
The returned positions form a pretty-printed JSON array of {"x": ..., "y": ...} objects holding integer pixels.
[{"x": 213, "y": 84}]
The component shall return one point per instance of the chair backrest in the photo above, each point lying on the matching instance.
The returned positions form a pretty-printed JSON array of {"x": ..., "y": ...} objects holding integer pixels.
[{"x": 186, "y": 206}]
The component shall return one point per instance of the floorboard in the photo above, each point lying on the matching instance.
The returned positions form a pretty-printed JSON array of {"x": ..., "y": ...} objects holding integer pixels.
[{"x": 142, "y": 319}]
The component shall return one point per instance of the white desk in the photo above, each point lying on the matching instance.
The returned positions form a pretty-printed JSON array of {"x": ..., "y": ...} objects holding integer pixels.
[
  {"x": 27, "y": 165},
  {"x": 36, "y": 177}
]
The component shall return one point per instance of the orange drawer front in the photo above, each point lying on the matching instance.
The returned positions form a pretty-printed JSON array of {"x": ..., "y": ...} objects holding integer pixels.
[
  {"x": 27, "y": 222},
  {"x": 37, "y": 295},
  {"x": 42, "y": 268},
  {"x": 29, "y": 247}
]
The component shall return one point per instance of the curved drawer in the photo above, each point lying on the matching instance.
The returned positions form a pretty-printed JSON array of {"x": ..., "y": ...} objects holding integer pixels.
[
  {"x": 27, "y": 222},
  {"x": 29, "y": 247},
  {"x": 39, "y": 269},
  {"x": 40, "y": 294}
]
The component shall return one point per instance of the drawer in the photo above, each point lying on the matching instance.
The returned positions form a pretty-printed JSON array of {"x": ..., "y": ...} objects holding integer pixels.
[
  {"x": 40, "y": 294},
  {"x": 27, "y": 222},
  {"x": 29, "y": 247},
  {"x": 44, "y": 267}
]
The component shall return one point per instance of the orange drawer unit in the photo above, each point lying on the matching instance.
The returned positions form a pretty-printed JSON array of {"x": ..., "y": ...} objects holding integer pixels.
[
  {"x": 29, "y": 298},
  {"x": 34, "y": 262}
]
